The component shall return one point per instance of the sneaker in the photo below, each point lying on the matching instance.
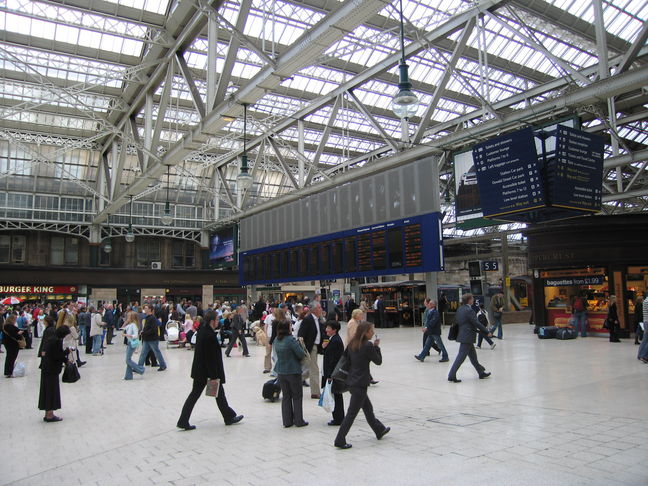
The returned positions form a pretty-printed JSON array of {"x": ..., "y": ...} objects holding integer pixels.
[
  {"x": 478, "y": 347},
  {"x": 493, "y": 346}
]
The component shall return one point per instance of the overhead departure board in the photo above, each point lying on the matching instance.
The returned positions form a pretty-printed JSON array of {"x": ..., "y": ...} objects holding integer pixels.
[
  {"x": 577, "y": 177},
  {"x": 403, "y": 246},
  {"x": 508, "y": 174}
]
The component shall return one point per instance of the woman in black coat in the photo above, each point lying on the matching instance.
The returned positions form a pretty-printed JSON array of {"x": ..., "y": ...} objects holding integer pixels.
[
  {"x": 10, "y": 338},
  {"x": 333, "y": 351},
  {"x": 52, "y": 360},
  {"x": 207, "y": 365},
  {"x": 361, "y": 352},
  {"x": 613, "y": 320}
]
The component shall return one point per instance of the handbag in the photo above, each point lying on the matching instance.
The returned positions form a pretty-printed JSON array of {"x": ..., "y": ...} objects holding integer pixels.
[
  {"x": 22, "y": 343},
  {"x": 453, "y": 332},
  {"x": 340, "y": 374},
  {"x": 306, "y": 357},
  {"x": 134, "y": 343},
  {"x": 71, "y": 373},
  {"x": 212, "y": 388}
]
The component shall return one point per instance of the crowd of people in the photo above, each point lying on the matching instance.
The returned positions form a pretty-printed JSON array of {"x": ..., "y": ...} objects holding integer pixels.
[{"x": 293, "y": 335}]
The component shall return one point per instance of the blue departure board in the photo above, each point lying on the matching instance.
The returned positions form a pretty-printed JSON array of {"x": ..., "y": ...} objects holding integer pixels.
[
  {"x": 508, "y": 174},
  {"x": 577, "y": 178},
  {"x": 407, "y": 245}
]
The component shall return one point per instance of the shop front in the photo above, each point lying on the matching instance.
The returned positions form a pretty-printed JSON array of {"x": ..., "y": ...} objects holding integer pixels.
[
  {"x": 43, "y": 293},
  {"x": 593, "y": 257},
  {"x": 403, "y": 301}
]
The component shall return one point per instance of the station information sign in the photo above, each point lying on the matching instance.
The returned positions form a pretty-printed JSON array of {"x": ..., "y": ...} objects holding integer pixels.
[
  {"x": 579, "y": 170},
  {"x": 408, "y": 245},
  {"x": 508, "y": 174}
]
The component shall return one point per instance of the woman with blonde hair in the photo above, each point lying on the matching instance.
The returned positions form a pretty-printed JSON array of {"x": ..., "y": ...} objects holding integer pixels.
[
  {"x": 357, "y": 316},
  {"x": 361, "y": 352},
  {"x": 71, "y": 340},
  {"x": 131, "y": 333}
]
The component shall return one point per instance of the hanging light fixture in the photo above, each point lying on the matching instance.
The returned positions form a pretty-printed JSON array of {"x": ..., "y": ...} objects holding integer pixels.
[
  {"x": 130, "y": 236},
  {"x": 244, "y": 178},
  {"x": 405, "y": 103},
  {"x": 166, "y": 218},
  {"x": 107, "y": 247}
]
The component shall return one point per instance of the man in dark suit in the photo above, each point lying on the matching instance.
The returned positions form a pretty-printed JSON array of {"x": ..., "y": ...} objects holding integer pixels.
[
  {"x": 432, "y": 332},
  {"x": 333, "y": 351},
  {"x": 207, "y": 365},
  {"x": 469, "y": 325},
  {"x": 238, "y": 331},
  {"x": 311, "y": 332}
]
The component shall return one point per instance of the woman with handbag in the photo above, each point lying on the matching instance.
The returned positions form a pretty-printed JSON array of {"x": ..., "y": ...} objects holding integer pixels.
[
  {"x": 289, "y": 370},
  {"x": 13, "y": 341},
  {"x": 613, "y": 320},
  {"x": 52, "y": 361},
  {"x": 131, "y": 334},
  {"x": 333, "y": 351},
  {"x": 361, "y": 353}
]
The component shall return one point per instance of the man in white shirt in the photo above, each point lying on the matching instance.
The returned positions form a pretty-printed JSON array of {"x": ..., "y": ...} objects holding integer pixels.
[{"x": 310, "y": 330}]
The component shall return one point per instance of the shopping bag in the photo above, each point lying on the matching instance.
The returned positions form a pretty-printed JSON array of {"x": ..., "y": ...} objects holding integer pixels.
[
  {"x": 19, "y": 370},
  {"x": 327, "y": 401}
]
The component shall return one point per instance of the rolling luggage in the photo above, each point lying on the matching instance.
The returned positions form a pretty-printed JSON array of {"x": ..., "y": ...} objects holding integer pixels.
[
  {"x": 547, "y": 332},
  {"x": 271, "y": 390},
  {"x": 566, "y": 333}
]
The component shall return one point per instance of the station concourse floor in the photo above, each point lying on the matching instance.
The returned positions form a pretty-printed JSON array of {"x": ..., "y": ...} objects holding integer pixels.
[{"x": 552, "y": 413}]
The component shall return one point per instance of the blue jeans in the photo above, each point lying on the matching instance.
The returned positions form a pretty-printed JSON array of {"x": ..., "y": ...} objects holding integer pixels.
[
  {"x": 151, "y": 346},
  {"x": 433, "y": 338},
  {"x": 83, "y": 335},
  {"x": 131, "y": 365},
  {"x": 96, "y": 343},
  {"x": 498, "y": 325},
  {"x": 580, "y": 322}
]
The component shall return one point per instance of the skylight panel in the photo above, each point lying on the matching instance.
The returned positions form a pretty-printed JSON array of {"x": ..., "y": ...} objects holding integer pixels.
[{"x": 155, "y": 6}]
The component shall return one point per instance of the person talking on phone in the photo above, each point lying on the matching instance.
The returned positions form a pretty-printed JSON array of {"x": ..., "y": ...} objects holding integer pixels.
[
  {"x": 207, "y": 365},
  {"x": 361, "y": 353}
]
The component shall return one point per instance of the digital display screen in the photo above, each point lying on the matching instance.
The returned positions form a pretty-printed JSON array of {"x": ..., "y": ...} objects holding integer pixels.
[
  {"x": 395, "y": 247},
  {"x": 222, "y": 248}
]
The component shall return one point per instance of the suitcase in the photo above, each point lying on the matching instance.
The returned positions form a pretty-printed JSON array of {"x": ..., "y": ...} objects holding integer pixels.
[
  {"x": 547, "y": 332},
  {"x": 271, "y": 390},
  {"x": 566, "y": 333}
]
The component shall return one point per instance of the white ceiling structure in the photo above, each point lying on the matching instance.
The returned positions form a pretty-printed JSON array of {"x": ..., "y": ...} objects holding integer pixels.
[{"x": 100, "y": 98}]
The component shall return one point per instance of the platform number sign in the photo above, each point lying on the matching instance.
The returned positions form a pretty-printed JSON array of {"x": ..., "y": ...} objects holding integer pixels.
[{"x": 490, "y": 265}]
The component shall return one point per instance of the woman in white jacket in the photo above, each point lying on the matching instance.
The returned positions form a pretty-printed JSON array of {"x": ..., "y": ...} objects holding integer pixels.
[{"x": 96, "y": 331}]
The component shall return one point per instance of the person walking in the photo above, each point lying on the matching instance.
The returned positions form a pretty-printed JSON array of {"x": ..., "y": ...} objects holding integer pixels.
[
  {"x": 53, "y": 358},
  {"x": 357, "y": 316},
  {"x": 497, "y": 307},
  {"x": 288, "y": 367},
  {"x": 11, "y": 338},
  {"x": 579, "y": 313},
  {"x": 131, "y": 333},
  {"x": 642, "y": 354},
  {"x": 151, "y": 339},
  {"x": 361, "y": 352},
  {"x": 482, "y": 317},
  {"x": 432, "y": 332},
  {"x": 638, "y": 319},
  {"x": 467, "y": 333},
  {"x": 238, "y": 331},
  {"x": 207, "y": 365},
  {"x": 333, "y": 351}
]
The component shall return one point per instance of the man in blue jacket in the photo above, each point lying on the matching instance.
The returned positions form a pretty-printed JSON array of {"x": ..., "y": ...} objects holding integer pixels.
[
  {"x": 432, "y": 332},
  {"x": 469, "y": 325}
]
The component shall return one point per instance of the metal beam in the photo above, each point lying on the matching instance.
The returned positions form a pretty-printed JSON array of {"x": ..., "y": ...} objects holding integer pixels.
[
  {"x": 282, "y": 161},
  {"x": 327, "y": 130},
  {"x": 632, "y": 53},
  {"x": 225, "y": 187},
  {"x": 456, "y": 54},
  {"x": 191, "y": 84},
  {"x": 374, "y": 123}
]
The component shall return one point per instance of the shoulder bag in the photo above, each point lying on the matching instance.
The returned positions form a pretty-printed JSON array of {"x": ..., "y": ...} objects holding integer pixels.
[
  {"x": 453, "y": 332},
  {"x": 71, "y": 373},
  {"x": 341, "y": 373}
]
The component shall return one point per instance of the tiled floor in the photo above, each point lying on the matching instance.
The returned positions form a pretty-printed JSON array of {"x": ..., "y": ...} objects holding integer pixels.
[{"x": 553, "y": 413}]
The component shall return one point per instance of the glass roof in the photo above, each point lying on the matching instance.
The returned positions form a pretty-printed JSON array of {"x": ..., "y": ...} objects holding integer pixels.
[{"x": 76, "y": 71}]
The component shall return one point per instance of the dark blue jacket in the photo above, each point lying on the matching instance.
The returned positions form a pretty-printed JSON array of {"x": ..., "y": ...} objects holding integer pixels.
[{"x": 433, "y": 323}]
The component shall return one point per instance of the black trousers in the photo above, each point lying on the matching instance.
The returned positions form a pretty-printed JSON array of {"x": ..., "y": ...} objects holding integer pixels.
[
  {"x": 88, "y": 344},
  {"x": 291, "y": 401},
  {"x": 434, "y": 346},
  {"x": 110, "y": 332},
  {"x": 465, "y": 349},
  {"x": 483, "y": 336},
  {"x": 338, "y": 411},
  {"x": 10, "y": 359},
  {"x": 359, "y": 400},
  {"x": 614, "y": 338},
  {"x": 236, "y": 335},
  {"x": 221, "y": 400}
]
